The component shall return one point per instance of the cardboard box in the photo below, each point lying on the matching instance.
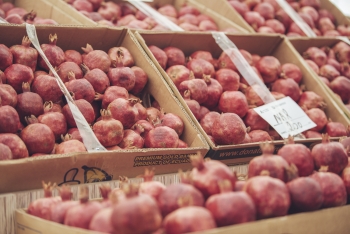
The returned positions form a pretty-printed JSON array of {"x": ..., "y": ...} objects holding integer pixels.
[
  {"x": 226, "y": 10},
  {"x": 48, "y": 10},
  {"x": 274, "y": 45},
  {"x": 302, "y": 44},
  {"x": 331, "y": 220},
  {"x": 25, "y": 174},
  {"x": 222, "y": 22}
]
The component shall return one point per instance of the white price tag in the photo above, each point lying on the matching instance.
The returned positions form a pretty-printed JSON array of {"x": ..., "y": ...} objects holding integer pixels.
[{"x": 286, "y": 117}]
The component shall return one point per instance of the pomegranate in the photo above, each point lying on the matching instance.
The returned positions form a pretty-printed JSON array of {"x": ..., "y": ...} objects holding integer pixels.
[
  {"x": 83, "y": 5},
  {"x": 269, "y": 68},
  {"x": 333, "y": 188},
  {"x": 81, "y": 88},
  {"x": 96, "y": 58},
  {"x": 172, "y": 121},
  {"x": 188, "y": 219},
  {"x": 54, "y": 120},
  {"x": 175, "y": 56},
  {"x": 153, "y": 114},
  {"x": 271, "y": 196},
  {"x": 240, "y": 7},
  {"x": 226, "y": 62},
  {"x": 73, "y": 56},
  {"x": 208, "y": 120},
  {"x": 325, "y": 25},
  {"x": 69, "y": 145},
  {"x": 207, "y": 173},
  {"x": 161, "y": 137},
  {"x": 299, "y": 155},
  {"x": 341, "y": 86},
  {"x": 131, "y": 140},
  {"x": 81, "y": 215},
  {"x": 16, "y": 74},
  {"x": 290, "y": 70},
  {"x": 329, "y": 72},
  {"x": 202, "y": 111},
  {"x": 141, "y": 80},
  {"x": 233, "y": 102},
  {"x": 214, "y": 92},
  {"x": 178, "y": 74},
  {"x": 198, "y": 89},
  {"x": 313, "y": 66},
  {"x": 66, "y": 67},
  {"x": 252, "y": 97},
  {"x": 110, "y": 10},
  {"x": 42, "y": 207},
  {"x": 125, "y": 111},
  {"x": 207, "y": 25},
  {"x": 24, "y": 54},
  {"x": 47, "y": 88},
  {"x": 37, "y": 143},
  {"x": 275, "y": 25},
  {"x": 111, "y": 93},
  {"x": 288, "y": 87},
  {"x": 265, "y": 29},
  {"x": 345, "y": 69},
  {"x": 142, "y": 127},
  {"x": 54, "y": 54},
  {"x": 312, "y": 134},
  {"x": 266, "y": 10},
  {"x": 160, "y": 55},
  {"x": 58, "y": 210},
  {"x": 274, "y": 164},
  {"x": 108, "y": 131},
  {"x": 254, "y": 121},
  {"x": 140, "y": 211},
  {"x": 5, "y": 152},
  {"x": 316, "y": 55},
  {"x": 193, "y": 105},
  {"x": 318, "y": 117},
  {"x": 331, "y": 154},
  {"x": 259, "y": 136},
  {"x": 228, "y": 129},
  {"x": 97, "y": 78},
  {"x": 124, "y": 55},
  {"x": 150, "y": 187},
  {"x": 230, "y": 207},
  {"x": 85, "y": 108},
  {"x": 16, "y": 145},
  {"x": 310, "y": 99},
  {"x": 29, "y": 103},
  {"x": 346, "y": 179},
  {"x": 254, "y": 19},
  {"x": 201, "y": 67},
  {"x": 186, "y": 9},
  {"x": 333, "y": 62},
  {"x": 228, "y": 79},
  {"x": 9, "y": 119},
  {"x": 305, "y": 194},
  {"x": 122, "y": 76},
  {"x": 6, "y": 57},
  {"x": 335, "y": 129}
]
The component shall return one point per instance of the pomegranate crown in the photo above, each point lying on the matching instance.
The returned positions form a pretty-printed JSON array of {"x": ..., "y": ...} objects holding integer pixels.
[
  {"x": 185, "y": 177},
  {"x": 53, "y": 39},
  {"x": 65, "y": 192},
  {"x": 185, "y": 201},
  {"x": 225, "y": 186},
  {"x": 48, "y": 188},
  {"x": 267, "y": 147},
  {"x": 289, "y": 140},
  {"x": 105, "y": 190},
  {"x": 325, "y": 138},
  {"x": 84, "y": 194},
  {"x": 197, "y": 161}
]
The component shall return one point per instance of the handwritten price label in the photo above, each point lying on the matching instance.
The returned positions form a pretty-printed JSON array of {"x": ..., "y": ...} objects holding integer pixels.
[{"x": 286, "y": 117}]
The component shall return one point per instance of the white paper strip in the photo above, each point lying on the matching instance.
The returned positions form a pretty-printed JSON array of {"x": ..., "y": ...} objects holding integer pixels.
[
  {"x": 296, "y": 18},
  {"x": 159, "y": 18},
  {"x": 90, "y": 141},
  {"x": 3, "y": 21}
]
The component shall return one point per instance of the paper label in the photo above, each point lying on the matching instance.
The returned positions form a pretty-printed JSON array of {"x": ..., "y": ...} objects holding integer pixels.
[
  {"x": 286, "y": 117},
  {"x": 3, "y": 21}
]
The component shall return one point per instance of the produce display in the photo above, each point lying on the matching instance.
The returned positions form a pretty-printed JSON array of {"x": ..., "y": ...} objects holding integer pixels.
[
  {"x": 208, "y": 196},
  {"x": 110, "y": 13},
  {"x": 107, "y": 88},
  {"x": 222, "y": 101},
  {"x": 18, "y": 15},
  {"x": 266, "y": 16},
  {"x": 332, "y": 65}
]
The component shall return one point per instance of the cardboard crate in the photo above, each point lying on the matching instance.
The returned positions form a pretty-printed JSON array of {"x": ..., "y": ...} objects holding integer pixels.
[
  {"x": 302, "y": 44},
  {"x": 25, "y": 174},
  {"x": 222, "y": 22},
  {"x": 274, "y": 45},
  {"x": 226, "y": 10},
  {"x": 331, "y": 220},
  {"x": 48, "y": 10}
]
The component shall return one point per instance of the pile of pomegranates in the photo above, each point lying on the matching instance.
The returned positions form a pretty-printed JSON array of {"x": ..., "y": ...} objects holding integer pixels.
[
  {"x": 266, "y": 16},
  {"x": 120, "y": 14},
  {"x": 206, "y": 198},
  {"x": 19, "y": 15},
  {"x": 332, "y": 65},
  {"x": 106, "y": 86},
  {"x": 222, "y": 101}
]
